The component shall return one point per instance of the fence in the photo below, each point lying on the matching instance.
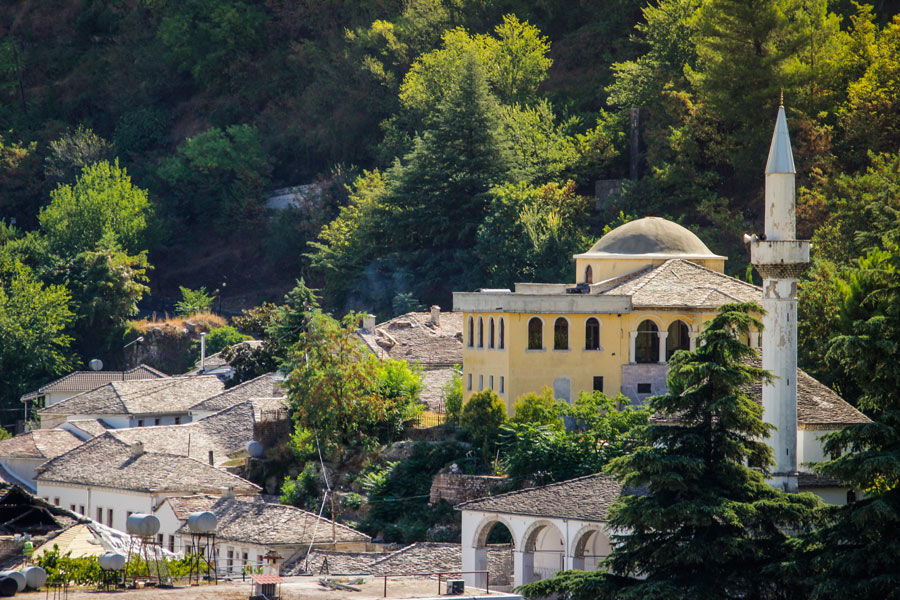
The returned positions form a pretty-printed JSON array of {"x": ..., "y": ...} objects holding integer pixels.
[{"x": 429, "y": 419}]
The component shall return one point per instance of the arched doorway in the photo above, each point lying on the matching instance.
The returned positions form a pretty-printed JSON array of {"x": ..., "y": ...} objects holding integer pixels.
[
  {"x": 494, "y": 546},
  {"x": 646, "y": 343},
  {"x": 590, "y": 548},
  {"x": 543, "y": 552},
  {"x": 589, "y": 275},
  {"x": 679, "y": 338}
]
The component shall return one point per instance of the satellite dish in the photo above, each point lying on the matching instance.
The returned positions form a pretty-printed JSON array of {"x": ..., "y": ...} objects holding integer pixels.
[
  {"x": 254, "y": 449},
  {"x": 96, "y": 364}
]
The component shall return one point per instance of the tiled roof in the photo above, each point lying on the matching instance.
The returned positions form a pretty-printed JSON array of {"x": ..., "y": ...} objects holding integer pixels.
[
  {"x": 585, "y": 498},
  {"x": 106, "y": 461},
  {"x": 269, "y": 524},
  {"x": 146, "y": 397},
  {"x": 679, "y": 283},
  {"x": 225, "y": 433},
  {"x": 40, "y": 443},
  {"x": 812, "y": 481},
  {"x": 82, "y": 381},
  {"x": 264, "y": 386},
  {"x": 818, "y": 406},
  {"x": 183, "y": 506},
  {"x": 413, "y": 337}
]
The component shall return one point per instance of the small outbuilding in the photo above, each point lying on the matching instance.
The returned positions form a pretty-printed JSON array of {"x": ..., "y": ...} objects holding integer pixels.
[{"x": 552, "y": 528}]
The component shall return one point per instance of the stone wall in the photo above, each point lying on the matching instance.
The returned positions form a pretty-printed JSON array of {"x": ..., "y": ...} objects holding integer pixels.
[
  {"x": 652, "y": 373},
  {"x": 11, "y": 548},
  {"x": 458, "y": 487}
]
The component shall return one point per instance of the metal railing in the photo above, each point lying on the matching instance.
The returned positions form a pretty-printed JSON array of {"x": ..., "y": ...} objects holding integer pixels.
[{"x": 440, "y": 576}]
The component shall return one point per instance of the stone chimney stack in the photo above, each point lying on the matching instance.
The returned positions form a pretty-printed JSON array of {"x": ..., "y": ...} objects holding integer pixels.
[
  {"x": 436, "y": 315},
  {"x": 369, "y": 323},
  {"x": 228, "y": 492},
  {"x": 780, "y": 258},
  {"x": 137, "y": 449}
]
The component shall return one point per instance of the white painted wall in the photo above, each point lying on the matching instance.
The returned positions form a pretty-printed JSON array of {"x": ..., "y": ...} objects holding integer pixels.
[
  {"x": 810, "y": 447},
  {"x": 22, "y": 468}
]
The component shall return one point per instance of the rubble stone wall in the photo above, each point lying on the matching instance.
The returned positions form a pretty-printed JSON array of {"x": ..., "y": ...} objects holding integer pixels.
[{"x": 458, "y": 487}]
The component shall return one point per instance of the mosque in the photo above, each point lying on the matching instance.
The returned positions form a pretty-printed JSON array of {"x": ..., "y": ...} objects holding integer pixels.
[{"x": 644, "y": 291}]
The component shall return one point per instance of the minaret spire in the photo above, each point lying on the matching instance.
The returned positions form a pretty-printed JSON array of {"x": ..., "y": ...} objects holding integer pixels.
[{"x": 780, "y": 258}]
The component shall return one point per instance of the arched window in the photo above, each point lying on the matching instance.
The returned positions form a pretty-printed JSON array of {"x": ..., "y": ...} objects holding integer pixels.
[
  {"x": 535, "y": 334},
  {"x": 592, "y": 334},
  {"x": 561, "y": 334},
  {"x": 502, "y": 334},
  {"x": 480, "y": 332},
  {"x": 471, "y": 332},
  {"x": 646, "y": 345},
  {"x": 491, "y": 333},
  {"x": 589, "y": 275},
  {"x": 679, "y": 338}
]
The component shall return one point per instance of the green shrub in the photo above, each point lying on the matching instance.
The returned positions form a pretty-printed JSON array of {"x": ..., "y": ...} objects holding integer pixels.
[
  {"x": 453, "y": 396},
  {"x": 353, "y": 501},
  {"x": 220, "y": 338},
  {"x": 302, "y": 491},
  {"x": 541, "y": 409},
  {"x": 483, "y": 415},
  {"x": 193, "y": 301}
]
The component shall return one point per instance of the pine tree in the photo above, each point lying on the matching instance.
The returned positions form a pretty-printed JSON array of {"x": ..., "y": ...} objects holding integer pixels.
[
  {"x": 440, "y": 190},
  {"x": 703, "y": 524},
  {"x": 856, "y": 554}
]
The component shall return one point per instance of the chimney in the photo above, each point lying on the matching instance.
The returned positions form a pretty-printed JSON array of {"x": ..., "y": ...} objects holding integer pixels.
[
  {"x": 203, "y": 354},
  {"x": 137, "y": 449},
  {"x": 436, "y": 315},
  {"x": 228, "y": 492},
  {"x": 369, "y": 323},
  {"x": 211, "y": 461}
]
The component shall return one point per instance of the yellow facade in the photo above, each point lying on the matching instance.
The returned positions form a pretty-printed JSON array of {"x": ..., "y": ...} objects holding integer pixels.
[
  {"x": 633, "y": 340},
  {"x": 515, "y": 370}
]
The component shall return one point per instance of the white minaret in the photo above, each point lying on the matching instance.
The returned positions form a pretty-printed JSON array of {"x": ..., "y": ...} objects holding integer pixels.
[{"x": 779, "y": 259}]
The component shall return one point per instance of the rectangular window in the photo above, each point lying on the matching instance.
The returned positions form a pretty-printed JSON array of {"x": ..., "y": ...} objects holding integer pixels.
[
  {"x": 178, "y": 420},
  {"x": 171, "y": 543},
  {"x": 501, "y": 385},
  {"x": 56, "y": 501},
  {"x": 72, "y": 507},
  {"x": 140, "y": 422},
  {"x": 470, "y": 382},
  {"x": 229, "y": 560},
  {"x": 480, "y": 382},
  {"x": 491, "y": 382},
  {"x": 81, "y": 511},
  {"x": 156, "y": 421},
  {"x": 598, "y": 384},
  {"x": 128, "y": 513},
  {"x": 109, "y": 517},
  {"x": 159, "y": 539},
  {"x": 644, "y": 388},
  {"x": 99, "y": 515}
]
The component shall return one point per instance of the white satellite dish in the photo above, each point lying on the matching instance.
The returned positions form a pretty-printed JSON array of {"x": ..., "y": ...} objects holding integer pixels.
[{"x": 96, "y": 364}]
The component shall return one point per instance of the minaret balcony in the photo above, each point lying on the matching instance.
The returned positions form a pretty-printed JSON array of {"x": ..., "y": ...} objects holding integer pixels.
[{"x": 781, "y": 259}]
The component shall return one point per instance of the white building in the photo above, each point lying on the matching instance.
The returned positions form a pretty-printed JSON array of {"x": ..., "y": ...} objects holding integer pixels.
[
  {"x": 20, "y": 456},
  {"x": 139, "y": 403},
  {"x": 107, "y": 479},
  {"x": 249, "y": 527},
  {"x": 556, "y": 527}
]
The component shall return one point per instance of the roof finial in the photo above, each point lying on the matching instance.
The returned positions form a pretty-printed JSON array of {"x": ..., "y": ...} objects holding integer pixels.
[{"x": 781, "y": 100}]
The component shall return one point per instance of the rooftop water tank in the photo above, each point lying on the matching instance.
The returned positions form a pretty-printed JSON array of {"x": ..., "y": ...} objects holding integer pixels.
[
  {"x": 142, "y": 525},
  {"x": 254, "y": 449},
  {"x": 202, "y": 522},
  {"x": 112, "y": 561},
  {"x": 35, "y": 577}
]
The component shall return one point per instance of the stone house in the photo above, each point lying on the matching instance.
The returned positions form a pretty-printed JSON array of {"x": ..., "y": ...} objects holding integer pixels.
[{"x": 20, "y": 456}]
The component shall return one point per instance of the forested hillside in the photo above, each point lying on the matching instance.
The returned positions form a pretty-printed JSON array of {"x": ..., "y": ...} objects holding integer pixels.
[{"x": 456, "y": 144}]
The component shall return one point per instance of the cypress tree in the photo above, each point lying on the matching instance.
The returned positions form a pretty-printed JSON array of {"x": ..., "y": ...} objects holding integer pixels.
[{"x": 698, "y": 522}]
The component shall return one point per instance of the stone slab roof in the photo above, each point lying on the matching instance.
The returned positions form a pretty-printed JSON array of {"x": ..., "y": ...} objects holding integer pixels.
[
  {"x": 810, "y": 481},
  {"x": 106, "y": 461},
  {"x": 414, "y": 337},
  {"x": 584, "y": 498},
  {"x": 82, "y": 381},
  {"x": 143, "y": 397},
  {"x": 268, "y": 524},
  {"x": 40, "y": 443},
  {"x": 264, "y": 386},
  {"x": 679, "y": 283},
  {"x": 91, "y": 427},
  {"x": 224, "y": 433},
  {"x": 217, "y": 361},
  {"x": 818, "y": 406},
  {"x": 432, "y": 395}
]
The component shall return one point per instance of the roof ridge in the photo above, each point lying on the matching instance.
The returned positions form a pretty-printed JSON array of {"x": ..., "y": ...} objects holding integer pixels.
[
  {"x": 702, "y": 268},
  {"x": 531, "y": 489}
]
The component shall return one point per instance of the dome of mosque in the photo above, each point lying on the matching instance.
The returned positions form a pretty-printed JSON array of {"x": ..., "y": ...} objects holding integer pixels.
[{"x": 651, "y": 235}]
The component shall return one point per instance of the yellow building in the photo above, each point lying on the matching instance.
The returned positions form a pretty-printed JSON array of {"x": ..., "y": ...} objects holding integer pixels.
[{"x": 643, "y": 291}]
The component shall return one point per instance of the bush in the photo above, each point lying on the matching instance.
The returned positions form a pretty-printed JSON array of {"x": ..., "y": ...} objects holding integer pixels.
[
  {"x": 353, "y": 501},
  {"x": 222, "y": 337},
  {"x": 483, "y": 415},
  {"x": 193, "y": 301},
  {"x": 539, "y": 410},
  {"x": 303, "y": 490},
  {"x": 453, "y": 396}
]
